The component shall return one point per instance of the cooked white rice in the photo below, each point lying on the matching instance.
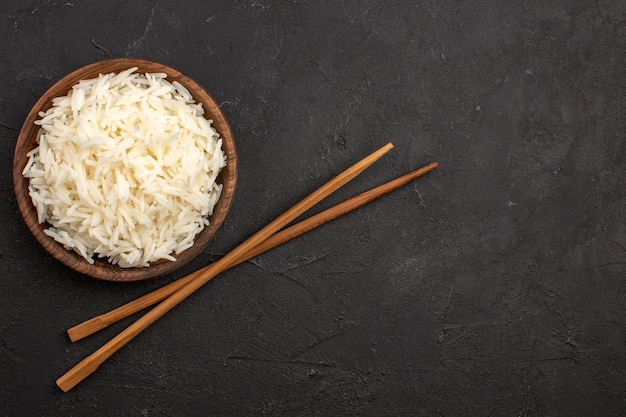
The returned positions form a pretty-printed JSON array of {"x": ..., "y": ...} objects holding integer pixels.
[{"x": 125, "y": 168}]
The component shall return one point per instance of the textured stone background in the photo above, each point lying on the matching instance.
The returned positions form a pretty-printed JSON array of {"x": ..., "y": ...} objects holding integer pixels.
[{"x": 495, "y": 286}]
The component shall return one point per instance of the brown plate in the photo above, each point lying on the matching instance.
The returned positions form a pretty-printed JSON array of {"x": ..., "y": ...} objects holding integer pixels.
[{"x": 101, "y": 269}]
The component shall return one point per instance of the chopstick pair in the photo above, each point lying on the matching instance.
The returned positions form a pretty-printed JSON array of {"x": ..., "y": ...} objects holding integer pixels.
[{"x": 267, "y": 238}]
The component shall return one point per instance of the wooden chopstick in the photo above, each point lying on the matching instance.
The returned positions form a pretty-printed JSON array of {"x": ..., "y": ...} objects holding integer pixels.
[
  {"x": 89, "y": 365},
  {"x": 100, "y": 322}
]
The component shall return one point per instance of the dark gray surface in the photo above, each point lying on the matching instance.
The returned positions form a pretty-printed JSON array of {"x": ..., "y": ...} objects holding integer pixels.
[{"x": 493, "y": 287}]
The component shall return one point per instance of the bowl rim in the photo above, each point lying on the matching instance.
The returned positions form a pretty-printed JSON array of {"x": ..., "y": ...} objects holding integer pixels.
[{"x": 101, "y": 269}]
